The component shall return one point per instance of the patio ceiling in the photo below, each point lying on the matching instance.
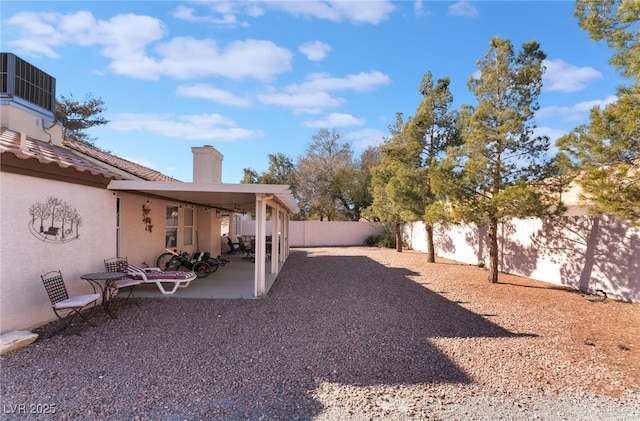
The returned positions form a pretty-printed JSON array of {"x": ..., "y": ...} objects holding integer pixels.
[{"x": 240, "y": 197}]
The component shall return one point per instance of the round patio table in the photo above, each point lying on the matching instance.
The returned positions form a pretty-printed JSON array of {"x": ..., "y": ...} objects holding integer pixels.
[{"x": 102, "y": 281}]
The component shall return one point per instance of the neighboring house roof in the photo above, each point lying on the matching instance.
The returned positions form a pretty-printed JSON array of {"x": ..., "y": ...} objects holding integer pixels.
[{"x": 76, "y": 155}]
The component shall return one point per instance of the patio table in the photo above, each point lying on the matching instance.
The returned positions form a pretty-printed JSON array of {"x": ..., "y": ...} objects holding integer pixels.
[{"x": 102, "y": 281}]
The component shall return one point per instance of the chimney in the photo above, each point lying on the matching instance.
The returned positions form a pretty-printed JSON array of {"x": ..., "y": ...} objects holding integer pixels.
[{"x": 207, "y": 164}]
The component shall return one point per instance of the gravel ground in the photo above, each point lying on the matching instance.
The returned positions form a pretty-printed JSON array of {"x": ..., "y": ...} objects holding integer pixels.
[{"x": 344, "y": 334}]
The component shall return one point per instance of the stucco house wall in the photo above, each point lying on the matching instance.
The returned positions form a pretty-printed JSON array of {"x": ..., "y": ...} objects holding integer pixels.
[
  {"x": 142, "y": 246},
  {"x": 28, "y": 118},
  {"x": 25, "y": 255}
]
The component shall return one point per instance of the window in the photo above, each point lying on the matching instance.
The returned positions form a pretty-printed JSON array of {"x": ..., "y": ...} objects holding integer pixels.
[
  {"x": 188, "y": 226},
  {"x": 171, "y": 227},
  {"x": 237, "y": 221}
]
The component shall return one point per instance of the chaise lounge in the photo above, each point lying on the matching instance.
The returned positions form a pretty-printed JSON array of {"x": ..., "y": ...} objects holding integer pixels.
[{"x": 179, "y": 279}]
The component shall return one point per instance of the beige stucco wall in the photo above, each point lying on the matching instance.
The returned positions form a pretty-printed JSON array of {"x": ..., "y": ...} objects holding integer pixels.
[
  {"x": 24, "y": 303},
  {"x": 143, "y": 247},
  {"x": 24, "y": 256},
  {"x": 25, "y": 121}
]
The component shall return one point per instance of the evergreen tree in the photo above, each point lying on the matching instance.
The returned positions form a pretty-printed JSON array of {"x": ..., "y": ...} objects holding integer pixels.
[
  {"x": 76, "y": 117},
  {"x": 431, "y": 132},
  {"x": 498, "y": 172},
  {"x": 388, "y": 180},
  {"x": 604, "y": 155}
]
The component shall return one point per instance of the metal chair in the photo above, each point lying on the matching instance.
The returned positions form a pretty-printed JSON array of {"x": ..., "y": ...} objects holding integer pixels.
[
  {"x": 232, "y": 246},
  {"x": 66, "y": 308},
  {"x": 246, "y": 249},
  {"x": 120, "y": 264}
]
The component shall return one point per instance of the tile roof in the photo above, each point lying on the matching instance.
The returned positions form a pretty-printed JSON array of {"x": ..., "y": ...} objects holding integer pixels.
[
  {"x": 129, "y": 167},
  {"x": 78, "y": 156}
]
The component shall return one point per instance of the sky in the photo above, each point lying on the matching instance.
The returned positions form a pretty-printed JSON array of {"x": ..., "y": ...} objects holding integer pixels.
[{"x": 254, "y": 78}]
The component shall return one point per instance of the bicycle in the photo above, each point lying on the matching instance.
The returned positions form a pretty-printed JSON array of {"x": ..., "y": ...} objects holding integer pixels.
[
  {"x": 196, "y": 263},
  {"x": 216, "y": 262}
]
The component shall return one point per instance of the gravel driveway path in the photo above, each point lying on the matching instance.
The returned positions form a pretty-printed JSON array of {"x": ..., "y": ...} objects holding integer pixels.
[{"x": 344, "y": 334}]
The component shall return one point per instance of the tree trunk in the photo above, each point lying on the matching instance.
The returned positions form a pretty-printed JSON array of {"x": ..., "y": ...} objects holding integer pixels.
[
  {"x": 398, "y": 237},
  {"x": 431, "y": 252},
  {"x": 493, "y": 250}
]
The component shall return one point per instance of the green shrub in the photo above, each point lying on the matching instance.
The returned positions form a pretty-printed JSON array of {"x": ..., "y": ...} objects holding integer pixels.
[
  {"x": 388, "y": 240},
  {"x": 372, "y": 240}
]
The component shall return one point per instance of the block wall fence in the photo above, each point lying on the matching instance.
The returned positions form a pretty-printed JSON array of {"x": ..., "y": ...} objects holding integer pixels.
[{"x": 579, "y": 252}]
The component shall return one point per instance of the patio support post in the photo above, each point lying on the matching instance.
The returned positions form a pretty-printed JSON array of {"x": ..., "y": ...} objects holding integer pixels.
[
  {"x": 260, "y": 244},
  {"x": 285, "y": 231},
  {"x": 275, "y": 239}
]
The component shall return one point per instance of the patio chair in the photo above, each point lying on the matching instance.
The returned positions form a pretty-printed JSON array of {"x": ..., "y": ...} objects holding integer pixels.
[
  {"x": 246, "y": 249},
  {"x": 233, "y": 247},
  {"x": 66, "y": 308},
  {"x": 120, "y": 264},
  {"x": 179, "y": 279}
]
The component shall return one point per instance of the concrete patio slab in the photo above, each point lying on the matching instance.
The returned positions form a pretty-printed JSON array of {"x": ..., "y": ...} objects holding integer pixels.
[{"x": 235, "y": 280}]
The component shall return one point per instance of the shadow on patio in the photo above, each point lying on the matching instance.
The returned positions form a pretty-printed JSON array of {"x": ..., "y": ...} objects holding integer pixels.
[{"x": 339, "y": 319}]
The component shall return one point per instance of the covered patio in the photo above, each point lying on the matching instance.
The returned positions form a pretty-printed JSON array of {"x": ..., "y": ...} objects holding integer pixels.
[
  {"x": 232, "y": 281},
  {"x": 244, "y": 198}
]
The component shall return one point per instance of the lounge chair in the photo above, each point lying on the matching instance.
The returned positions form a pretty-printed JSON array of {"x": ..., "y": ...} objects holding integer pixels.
[{"x": 159, "y": 277}]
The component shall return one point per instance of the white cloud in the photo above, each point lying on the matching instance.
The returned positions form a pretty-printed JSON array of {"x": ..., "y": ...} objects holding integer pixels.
[
  {"x": 125, "y": 34},
  {"x": 463, "y": 8},
  {"x": 212, "y": 93},
  {"x": 335, "y": 120},
  {"x": 311, "y": 96},
  {"x": 576, "y": 112},
  {"x": 360, "y": 82},
  {"x": 553, "y": 134},
  {"x": 225, "y": 7},
  {"x": 203, "y": 127},
  {"x": 301, "y": 102},
  {"x": 226, "y": 19},
  {"x": 565, "y": 77},
  {"x": 362, "y": 139},
  {"x": 126, "y": 39},
  {"x": 360, "y": 12},
  {"x": 186, "y": 57},
  {"x": 315, "y": 51},
  {"x": 418, "y": 9}
]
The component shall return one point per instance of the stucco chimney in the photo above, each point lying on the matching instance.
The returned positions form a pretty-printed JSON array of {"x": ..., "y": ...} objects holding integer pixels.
[{"x": 207, "y": 164}]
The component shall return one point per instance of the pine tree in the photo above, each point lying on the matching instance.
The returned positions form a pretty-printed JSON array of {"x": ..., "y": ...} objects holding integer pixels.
[{"x": 498, "y": 172}]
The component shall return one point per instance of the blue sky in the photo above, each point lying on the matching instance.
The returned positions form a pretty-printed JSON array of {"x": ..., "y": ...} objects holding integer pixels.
[{"x": 254, "y": 78}]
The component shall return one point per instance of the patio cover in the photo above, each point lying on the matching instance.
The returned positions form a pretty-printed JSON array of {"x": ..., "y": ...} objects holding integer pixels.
[{"x": 234, "y": 198}]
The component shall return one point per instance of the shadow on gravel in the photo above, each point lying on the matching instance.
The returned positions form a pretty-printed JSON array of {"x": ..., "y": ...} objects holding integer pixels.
[{"x": 343, "y": 320}]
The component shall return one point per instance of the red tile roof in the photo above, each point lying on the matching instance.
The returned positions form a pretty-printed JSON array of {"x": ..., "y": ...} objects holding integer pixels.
[
  {"x": 77, "y": 155},
  {"x": 136, "y": 170}
]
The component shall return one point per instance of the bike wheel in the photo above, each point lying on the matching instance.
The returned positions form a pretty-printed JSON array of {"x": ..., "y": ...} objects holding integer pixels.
[
  {"x": 214, "y": 264},
  {"x": 202, "y": 269},
  {"x": 164, "y": 260}
]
